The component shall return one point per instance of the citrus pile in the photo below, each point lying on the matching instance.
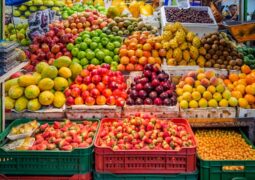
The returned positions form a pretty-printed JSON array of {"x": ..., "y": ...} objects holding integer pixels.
[
  {"x": 242, "y": 87},
  {"x": 203, "y": 89},
  {"x": 95, "y": 47},
  {"x": 140, "y": 49},
  {"x": 223, "y": 145}
]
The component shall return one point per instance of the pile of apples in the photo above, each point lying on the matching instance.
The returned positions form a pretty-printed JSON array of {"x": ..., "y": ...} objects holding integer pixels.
[
  {"x": 143, "y": 133},
  {"x": 52, "y": 45},
  {"x": 97, "y": 85},
  {"x": 140, "y": 49},
  {"x": 88, "y": 20},
  {"x": 64, "y": 136},
  {"x": 152, "y": 87}
]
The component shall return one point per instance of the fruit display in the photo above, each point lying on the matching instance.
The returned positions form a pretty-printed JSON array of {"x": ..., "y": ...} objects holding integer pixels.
[
  {"x": 220, "y": 52},
  {"x": 97, "y": 85},
  {"x": 248, "y": 54},
  {"x": 25, "y": 9},
  {"x": 143, "y": 133},
  {"x": 88, "y": 20},
  {"x": 217, "y": 144},
  {"x": 51, "y": 45},
  {"x": 203, "y": 89},
  {"x": 65, "y": 136},
  {"x": 96, "y": 48},
  {"x": 138, "y": 8},
  {"x": 68, "y": 11},
  {"x": 17, "y": 32},
  {"x": 153, "y": 87},
  {"x": 242, "y": 87},
  {"x": 183, "y": 47},
  {"x": 124, "y": 26},
  {"x": 43, "y": 88},
  {"x": 140, "y": 49},
  {"x": 190, "y": 15}
]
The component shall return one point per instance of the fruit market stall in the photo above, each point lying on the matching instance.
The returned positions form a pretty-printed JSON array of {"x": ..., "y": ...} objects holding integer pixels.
[{"x": 124, "y": 90}]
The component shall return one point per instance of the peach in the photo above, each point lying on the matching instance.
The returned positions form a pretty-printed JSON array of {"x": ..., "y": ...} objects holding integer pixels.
[
  {"x": 214, "y": 81},
  {"x": 201, "y": 76},
  {"x": 205, "y": 82},
  {"x": 189, "y": 80},
  {"x": 209, "y": 74},
  {"x": 192, "y": 74}
]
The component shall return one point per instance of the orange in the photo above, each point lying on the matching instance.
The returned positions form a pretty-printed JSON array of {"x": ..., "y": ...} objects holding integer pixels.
[
  {"x": 249, "y": 90},
  {"x": 242, "y": 81},
  {"x": 124, "y": 60},
  {"x": 240, "y": 88},
  {"x": 227, "y": 81},
  {"x": 123, "y": 52},
  {"x": 250, "y": 78},
  {"x": 242, "y": 102},
  {"x": 147, "y": 54},
  {"x": 230, "y": 87},
  {"x": 151, "y": 60},
  {"x": 155, "y": 53},
  {"x": 130, "y": 67},
  {"x": 158, "y": 60},
  {"x": 130, "y": 53},
  {"x": 245, "y": 69},
  {"x": 121, "y": 67},
  {"x": 250, "y": 98},
  {"x": 236, "y": 94},
  {"x": 233, "y": 77},
  {"x": 147, "y": 47},
  {"x": 132, "y": 45},
  {"x": 242, "y": 76}
]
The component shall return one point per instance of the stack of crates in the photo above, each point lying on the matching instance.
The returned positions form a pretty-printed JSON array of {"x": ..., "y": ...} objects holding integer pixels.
[
  {"x": 145, "y": 164},
  {"x": 8, "y": 56}
]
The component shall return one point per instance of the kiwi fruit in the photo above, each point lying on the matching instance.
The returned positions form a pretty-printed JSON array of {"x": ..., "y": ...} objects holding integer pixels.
[
  {"x": 207, "y": 46},
  {"x": 208, "y": 56},
  {"x": 232, "y": 62}
]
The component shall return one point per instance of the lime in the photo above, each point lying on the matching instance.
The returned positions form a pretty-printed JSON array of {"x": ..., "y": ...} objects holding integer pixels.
[
  {"x": 104, "y": 41},
  {"x": 84, "y": 61},
  {"x": 77, "y": 46},
  {"x": 78, "y": 40},
  {"x": 90, "y": 55},
  {"x": 96, "y": 50},
  {"x": 111, "y": 37},
  {"x": 76, "y": 60},
  {"x": 110, "y": 46},
  {"x": 108, "y": 59},
  {"x": 69, "y": 46},
  {"x": 75, "y": 51},
  {"x": 118, "y": 38},
  {"x": 93, "y": 45},
  {"x": 81, "y": 54},
  {"x": 95, "y": 61},
  {"x": 103, "y": 35},
  {"x": 85, "y": 36},
  {"x": 96, "y": 39},
  {"x": 93, "y": 34},
  {"x": 106, "y": 52},
  {"x": 83, "y": 46},
  {"x": 116, "y": 44},
  {"x": 99, "y": 31},
  {"x": 100, "y": 55},
  {"x": 116, "y": 58},
  {"x": 87, "y": 41},
  {"x": 116, "y": 50},
  {"x": 111, "y": 54},
  {"x": 100, "y": 46}
]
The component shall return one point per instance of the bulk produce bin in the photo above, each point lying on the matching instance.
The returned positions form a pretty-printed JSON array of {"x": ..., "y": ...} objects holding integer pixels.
[
  {"x": 199, "y": 28},
  {"x": 47, "y": 162},
  {"x": 211, "y": 170},
  {"x": 146, "y": 161}
]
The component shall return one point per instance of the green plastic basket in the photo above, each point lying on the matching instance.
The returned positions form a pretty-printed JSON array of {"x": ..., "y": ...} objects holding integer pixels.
[
  {"x": 77, "y": 161},
  {"x": 182, "y": 176},
  {"x": 212, "y": 170}
]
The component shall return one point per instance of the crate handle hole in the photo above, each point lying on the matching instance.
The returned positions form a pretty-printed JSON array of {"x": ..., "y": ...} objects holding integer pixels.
[{"x": 233, "y": 168}]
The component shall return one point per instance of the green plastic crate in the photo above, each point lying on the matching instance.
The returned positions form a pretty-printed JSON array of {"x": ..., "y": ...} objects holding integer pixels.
[
  {"x": 77, "y": 161},
  {"x": 182, "y": 176},
  {"x": 212, "y": 170}
]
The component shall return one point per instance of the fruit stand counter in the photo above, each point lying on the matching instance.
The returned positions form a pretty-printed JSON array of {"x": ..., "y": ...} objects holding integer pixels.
[{"x": 225, "y": 123}]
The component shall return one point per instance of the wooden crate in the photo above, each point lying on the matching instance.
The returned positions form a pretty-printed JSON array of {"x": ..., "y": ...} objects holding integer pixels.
[
  {"x": 97, "y": 111},
  {"x": 210, "y": 112}
]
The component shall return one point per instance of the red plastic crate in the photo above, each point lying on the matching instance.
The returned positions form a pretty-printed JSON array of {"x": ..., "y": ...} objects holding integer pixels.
[
  {"x": 146, "y": 161},
  {"x": 87, "y": 176}
]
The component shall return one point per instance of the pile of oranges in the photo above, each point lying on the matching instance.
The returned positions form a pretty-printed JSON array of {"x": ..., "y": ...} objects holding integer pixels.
[
  {"x": 214, "y": 144},
  {"x": 242, "y": 87},
  {"x": 139, "y": 49}
]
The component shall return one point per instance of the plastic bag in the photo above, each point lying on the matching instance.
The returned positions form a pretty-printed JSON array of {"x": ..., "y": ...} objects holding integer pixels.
[
  {"x": 23, "y": 130},
  {"x": 20, "y": 144},
  {"x": 14, "y": 2}
]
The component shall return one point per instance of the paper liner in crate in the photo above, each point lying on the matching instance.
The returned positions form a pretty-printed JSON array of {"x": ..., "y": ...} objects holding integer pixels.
[
  {"x": 179, "y": 70},
  {"x": 154, "y": 110},
  {"x": 245, "y": 113},
  {"x": 234, "y": 72},
  {"x": 210, "y": 112},
  {"x": 96, "y": 111},
  {"x": 20, "y": 144}
]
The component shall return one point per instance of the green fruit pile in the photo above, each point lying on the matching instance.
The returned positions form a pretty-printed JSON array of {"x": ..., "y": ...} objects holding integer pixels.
[
  {"x": 68, "y": 11},
  {"x": 124, "y": 26},
  {"x": 17, "y": 33},
  {"x": 44, "y": 87},
  {"x": 25, "y": 10},
  {"x": 96, "y": 48},
  {"x": 248, "y": 54}
]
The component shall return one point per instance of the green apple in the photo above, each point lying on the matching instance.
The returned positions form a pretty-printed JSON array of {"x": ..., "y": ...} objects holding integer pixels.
[
  {"x": 48, "y": 3},
  {"x": 13, "y": 37},
  {"x": 10, "y": 27},
  {"x": 27, "y": 13},
  {"x": 19, "y": 26},
  {"x": 55, "y": 8},
  {"x": 33, "y": 8},
  {"x": 29, "y": 3},
  {"x": 24, "y": 42},
  {"x": 16, "y": 13},
  {"x": 38, "y": 2},
  {"x": 43, "y": 8},
  {"x": 23, "y": 8}
]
